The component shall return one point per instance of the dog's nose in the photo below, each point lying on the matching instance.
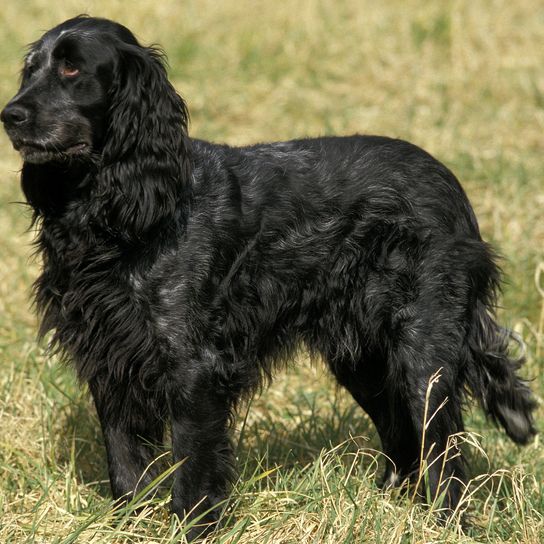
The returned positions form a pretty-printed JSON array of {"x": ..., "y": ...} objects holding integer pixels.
[{"x": 14, "y": 115}]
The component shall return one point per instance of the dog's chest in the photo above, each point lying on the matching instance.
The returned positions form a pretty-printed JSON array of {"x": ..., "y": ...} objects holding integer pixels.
[{"x": 93, "y": 304}]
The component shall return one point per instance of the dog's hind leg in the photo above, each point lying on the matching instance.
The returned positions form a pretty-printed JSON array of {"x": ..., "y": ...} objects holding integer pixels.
[
  {"x": 425, "y": 374},
  {"x": 396, "y": 431},
  {"x": 416, "y": 413},
  {"x": 436, "y": 416}
]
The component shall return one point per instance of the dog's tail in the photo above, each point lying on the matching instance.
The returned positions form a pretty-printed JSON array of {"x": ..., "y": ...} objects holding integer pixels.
[{"x": 491, "y": 372}]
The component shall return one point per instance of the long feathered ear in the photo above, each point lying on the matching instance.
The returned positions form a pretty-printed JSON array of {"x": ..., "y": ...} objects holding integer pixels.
[{"x": 145, "y": 169}]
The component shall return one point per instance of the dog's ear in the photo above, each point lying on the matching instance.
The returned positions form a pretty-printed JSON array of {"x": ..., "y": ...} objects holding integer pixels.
[{"x": 145, "y": 166}]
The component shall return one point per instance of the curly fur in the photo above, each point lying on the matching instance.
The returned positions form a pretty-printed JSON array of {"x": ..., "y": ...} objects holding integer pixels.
[{"x": 177, "y": 272}]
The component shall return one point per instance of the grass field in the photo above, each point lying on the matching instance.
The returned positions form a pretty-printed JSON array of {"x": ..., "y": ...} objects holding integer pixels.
[{"x": 463, "y": 79}]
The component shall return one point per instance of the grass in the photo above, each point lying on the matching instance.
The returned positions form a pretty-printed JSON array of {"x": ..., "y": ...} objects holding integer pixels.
[{"x": 464, "y": 80}]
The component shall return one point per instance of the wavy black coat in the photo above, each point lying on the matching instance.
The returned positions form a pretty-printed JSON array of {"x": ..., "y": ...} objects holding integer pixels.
[{"x": 177, "y": 272}]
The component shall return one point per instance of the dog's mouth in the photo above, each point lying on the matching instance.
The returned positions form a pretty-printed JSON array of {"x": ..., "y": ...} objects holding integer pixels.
[{"x": 40, "y": 153}]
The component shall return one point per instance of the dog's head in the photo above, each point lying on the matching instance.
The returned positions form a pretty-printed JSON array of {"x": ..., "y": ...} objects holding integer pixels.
[
  {"x": 59, "y": 110},
  {"x": 91, "y": 93},
  {"x": 82, "y": 82}
]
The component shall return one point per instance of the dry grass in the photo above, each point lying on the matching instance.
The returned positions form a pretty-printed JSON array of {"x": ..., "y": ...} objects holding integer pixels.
[{"x": 463, "y": 79}]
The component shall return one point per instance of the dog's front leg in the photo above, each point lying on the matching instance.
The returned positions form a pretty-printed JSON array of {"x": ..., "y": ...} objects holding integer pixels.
[
  {"x": 200, "y": 413},
  {"x": 132, "y": 422}
]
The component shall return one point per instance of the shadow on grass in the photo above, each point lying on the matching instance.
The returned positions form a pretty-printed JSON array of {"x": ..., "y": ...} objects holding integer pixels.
[
  {"x": 81, "y": 444},
  {"x": 317, "y": 422}
]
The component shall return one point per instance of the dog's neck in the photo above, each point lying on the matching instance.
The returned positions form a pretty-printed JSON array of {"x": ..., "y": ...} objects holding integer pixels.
[
  {"x": 49, "y": 188},
  {"x": 71, "y": 195}
]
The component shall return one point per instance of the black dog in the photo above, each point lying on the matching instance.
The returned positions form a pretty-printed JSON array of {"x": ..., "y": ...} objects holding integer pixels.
[{"x": 176, "y": 272}]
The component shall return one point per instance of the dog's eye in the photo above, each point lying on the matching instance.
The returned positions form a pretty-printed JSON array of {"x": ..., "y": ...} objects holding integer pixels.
[{"x": 68, "y": 70}]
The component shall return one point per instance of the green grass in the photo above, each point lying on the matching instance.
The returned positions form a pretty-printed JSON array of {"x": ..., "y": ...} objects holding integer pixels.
[{"x": 464, "y": 80}]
